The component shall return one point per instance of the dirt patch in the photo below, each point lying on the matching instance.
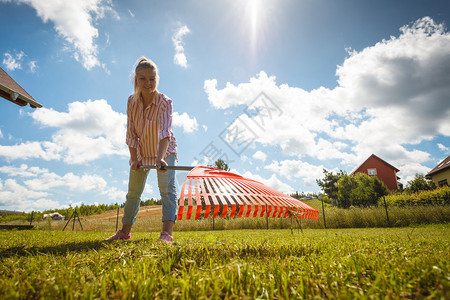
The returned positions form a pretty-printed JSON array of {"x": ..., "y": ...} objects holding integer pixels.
[{"x": 154, "y": 211}]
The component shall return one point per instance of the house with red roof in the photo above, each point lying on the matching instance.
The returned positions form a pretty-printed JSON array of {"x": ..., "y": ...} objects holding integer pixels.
[
  {"x": 375, "y": 166},
  {"x": 12, "y": 91},
  {"x": 440, "y": 174}
]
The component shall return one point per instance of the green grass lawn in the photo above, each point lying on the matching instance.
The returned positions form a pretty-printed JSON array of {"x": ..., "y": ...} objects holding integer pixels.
[{"x": 408, "y": 262}]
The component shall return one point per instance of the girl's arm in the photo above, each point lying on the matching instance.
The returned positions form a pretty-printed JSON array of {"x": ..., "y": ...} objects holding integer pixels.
[
  {"x": 162, "y": 149},
  {"x": 133, "y": 158}
]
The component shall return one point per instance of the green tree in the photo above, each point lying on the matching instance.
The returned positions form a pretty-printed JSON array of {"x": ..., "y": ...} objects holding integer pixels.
[
  {"x": 345, "y": 187},
  {"x": 220, "y": 164},
  {"x": 419, "y": 183},
  {"x": 360, "y": 189},
  {"x": 328, "y": 183},
  {"x": 297, "y": 195}
]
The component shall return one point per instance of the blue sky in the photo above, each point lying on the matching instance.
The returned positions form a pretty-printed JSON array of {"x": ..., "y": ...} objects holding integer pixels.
[{"x": 278, "y": 89}]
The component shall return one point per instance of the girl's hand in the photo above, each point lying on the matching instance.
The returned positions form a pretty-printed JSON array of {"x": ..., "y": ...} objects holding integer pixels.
[{"x": 161, "y": 163}]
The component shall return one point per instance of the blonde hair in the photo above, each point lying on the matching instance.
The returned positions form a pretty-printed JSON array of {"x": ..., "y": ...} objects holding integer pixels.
[{"x": 144, "y": 63}]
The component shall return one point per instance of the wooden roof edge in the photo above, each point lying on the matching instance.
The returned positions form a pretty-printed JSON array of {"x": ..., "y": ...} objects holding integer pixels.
[
  {"x": 33, "y": 103},
  {"x": 441, "y": 166}
]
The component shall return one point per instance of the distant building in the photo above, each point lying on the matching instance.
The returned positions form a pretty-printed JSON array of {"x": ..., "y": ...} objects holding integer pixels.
[
  {"x": 12, "y": 91},
  {"x": 440, "y": 174},
  {"x": 375, "y": 166},
  {"x": 54, "y": 216}
]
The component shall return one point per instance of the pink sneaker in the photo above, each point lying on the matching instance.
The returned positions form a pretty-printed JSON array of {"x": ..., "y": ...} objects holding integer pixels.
[
  {"x": 166, "y": 237},
  {"x": 120, "y": 235}
]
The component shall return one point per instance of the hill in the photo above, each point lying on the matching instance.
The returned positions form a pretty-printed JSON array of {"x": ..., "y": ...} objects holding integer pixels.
[{"x": 154, "y": 211}]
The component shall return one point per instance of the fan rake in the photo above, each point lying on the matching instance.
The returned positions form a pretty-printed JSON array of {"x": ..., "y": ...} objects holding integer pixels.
[{"x": 208, "y": 190}]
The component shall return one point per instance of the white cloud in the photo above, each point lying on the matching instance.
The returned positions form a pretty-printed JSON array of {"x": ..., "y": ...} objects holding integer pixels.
[
  {"x": 408, "y": 171},
  {"x": 272, "y": 182},
  {"x": 11, "y": 187},
  {"x": 390, "y": 97},
  {"x": 88, "y": 131},
  {"x": 259, "y": 155},
  {"x": 148, "y": 188},
  {"x": 73, "y": 21},
  {"x": 18, "y": 197},
  {"x": 292, "y": 169},
  {"x": 32, "y": 188},
  {"x": 43, "y": 180},
  {"x": 27, "y": 150},
  {"x": 232, "y": 95},
  {"x": 33, "y": 66},
  {"x": 115, "y": 195},
  {"x": 49, "y": 180},
  {"x": 177, "y": 39},
  {"x": 22, "y": 171},
  {"x": 14, "y": 61},
  {"x": 11, "y": 63},
  {"x": 402, "y": 81},
  {"x": 183, "y": 120},
  {"x": 440, "y": 146}
]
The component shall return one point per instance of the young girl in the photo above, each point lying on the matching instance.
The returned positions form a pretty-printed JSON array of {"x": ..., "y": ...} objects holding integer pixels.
[{"x": 151, "y": 141}]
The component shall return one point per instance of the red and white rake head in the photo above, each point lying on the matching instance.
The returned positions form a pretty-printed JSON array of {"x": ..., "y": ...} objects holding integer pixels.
[{"x": 207, "y": 188}]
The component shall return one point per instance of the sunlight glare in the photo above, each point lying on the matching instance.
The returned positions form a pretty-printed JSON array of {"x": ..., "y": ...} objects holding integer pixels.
[
  {"x": 255, "y": 24},
  {"x": 253, "y": 8},
  {"x": 253, "y": 15}
]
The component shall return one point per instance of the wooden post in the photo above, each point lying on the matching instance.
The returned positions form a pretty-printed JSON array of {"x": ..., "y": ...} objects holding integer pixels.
[
  {"x": 387, "y": 215},
  {"x": 74, "y": 215},
  {"x": 323, "y": 212},
  {"x": 117, "y": 220}
]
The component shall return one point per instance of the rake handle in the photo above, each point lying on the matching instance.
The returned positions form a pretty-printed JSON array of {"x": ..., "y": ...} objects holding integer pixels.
[{"x": 178, "y": 168}]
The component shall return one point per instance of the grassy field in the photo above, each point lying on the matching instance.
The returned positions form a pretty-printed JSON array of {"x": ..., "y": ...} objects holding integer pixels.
[
  {"x": 408, "y": 262},
  {"x": 149, "y": 219}
]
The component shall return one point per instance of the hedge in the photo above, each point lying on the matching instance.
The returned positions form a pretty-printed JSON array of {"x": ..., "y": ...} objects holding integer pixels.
[{"x": 439, "y": 196}]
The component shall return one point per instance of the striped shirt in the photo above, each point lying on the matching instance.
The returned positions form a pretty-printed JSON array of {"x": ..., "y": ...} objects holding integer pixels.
[{"x": 145, "y": 128}]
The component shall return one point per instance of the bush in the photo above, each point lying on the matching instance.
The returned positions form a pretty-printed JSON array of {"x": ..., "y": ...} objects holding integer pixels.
[
  {"x": 360, "y": 190},
  {"x": 419, "y": 183},
  {"x": 439, "y": 196},
  {"x": 150, "y": 202}
]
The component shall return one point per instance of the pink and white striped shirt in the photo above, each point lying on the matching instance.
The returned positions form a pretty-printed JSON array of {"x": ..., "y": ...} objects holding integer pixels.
[{"x": 145, "y": 128}]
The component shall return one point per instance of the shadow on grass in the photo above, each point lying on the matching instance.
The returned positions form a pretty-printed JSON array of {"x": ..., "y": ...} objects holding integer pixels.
[{"x": 61, "y": 249}]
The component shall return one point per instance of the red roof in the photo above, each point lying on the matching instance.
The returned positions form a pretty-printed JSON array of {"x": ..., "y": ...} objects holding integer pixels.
[
  {"x": 373, "y": 155},
  {"x": 445, "y": 164},
  {"x": 12, "y": 91}
]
